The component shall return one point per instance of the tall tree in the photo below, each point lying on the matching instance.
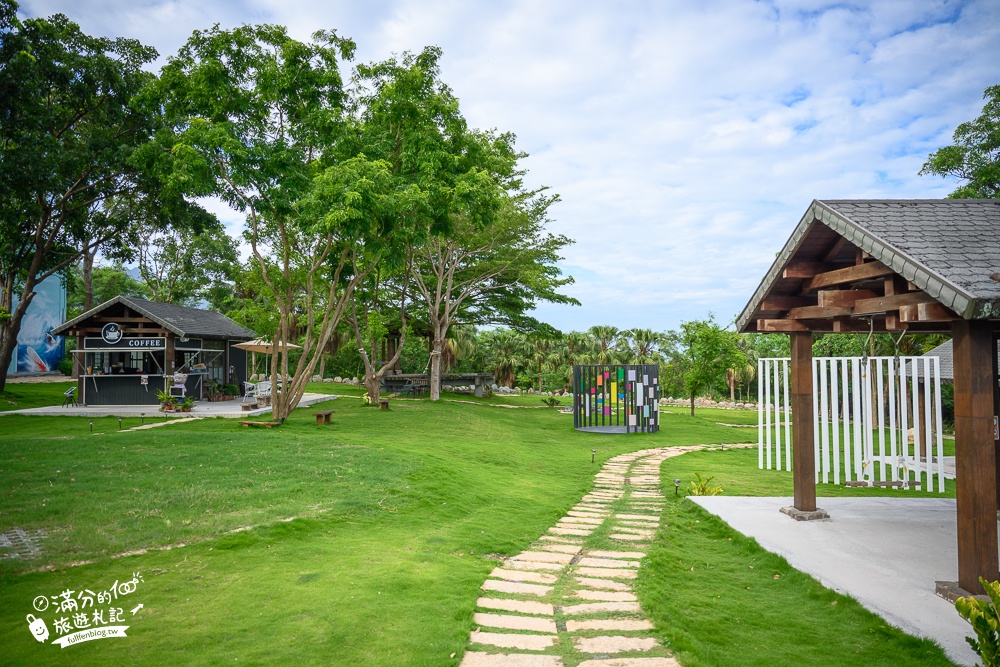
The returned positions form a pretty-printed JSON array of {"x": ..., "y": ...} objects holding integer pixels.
[
  {"x": 506, "y": 351},
  {"x": 182, "y": 265},
  {"x": 606, "y": 337},
  {"x": 705, "y": 350},
  {"x": 71, "y": 139},
  {"x": 641, "y": 346},
  {"x": 259, "y": 119},
  {"x": 975, "y": 156}
]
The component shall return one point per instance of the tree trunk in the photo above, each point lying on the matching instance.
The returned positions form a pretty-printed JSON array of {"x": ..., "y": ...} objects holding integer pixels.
[
  {"x": 435, "y": 380},
  {"x": 539, "y": 383},
  {"x": 10, "y": 328},
  {"x": 732, "y": 390},
  {"x": 88, "y": 279},
  {"x": 692, "y": 404},
  {"x": 372, "y": 387}
]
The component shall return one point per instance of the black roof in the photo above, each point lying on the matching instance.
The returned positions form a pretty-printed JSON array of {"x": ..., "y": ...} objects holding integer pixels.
[
  {"x": 183, "y": 321},
  {"x": 946, "y": 353},
  {"x": 950, "y": 248}
]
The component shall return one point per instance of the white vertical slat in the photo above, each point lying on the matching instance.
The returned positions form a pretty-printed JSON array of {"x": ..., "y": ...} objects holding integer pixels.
[
  {"x": 788, "y": 420},
  {"x": 904, "y": 444},
  {"x": 776, "y": 386},
  {"x": 893, "y": 417},
  {"x": 845, "y": 392},
  {"x": 816, "y": 433},
  {"x": 760, "y": 414},
  {"x": 860, "y": 455},
  {"x": 915, "y": 401},
  {"x": 880, "y": 422},
  {"x": 824, "y": 396},
  {"x": 928, "y": 425},
  {"x": 868, "y": 409},
  {"x": 938, "y": 427},
  {"x": 767, "y": 413},
  {"x": 835, "y": 416}
]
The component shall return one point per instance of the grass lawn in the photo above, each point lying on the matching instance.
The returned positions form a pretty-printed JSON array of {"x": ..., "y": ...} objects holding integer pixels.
[
  {"x": 369, "y": 537},
  {"x": 22, "y": 395}
]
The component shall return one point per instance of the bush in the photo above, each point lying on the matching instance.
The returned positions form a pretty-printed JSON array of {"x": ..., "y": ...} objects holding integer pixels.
[
  {"x": 65, "y": 366},
  {"x": 984, "y": 618}
]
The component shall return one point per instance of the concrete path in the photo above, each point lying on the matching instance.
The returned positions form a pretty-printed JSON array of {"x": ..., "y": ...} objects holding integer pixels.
[
  {"x": 568, "y": 600},
  {"x": 227, "y": 409}
]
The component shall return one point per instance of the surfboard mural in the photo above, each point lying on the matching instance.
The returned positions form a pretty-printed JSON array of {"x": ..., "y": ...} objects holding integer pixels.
[{"x": 38, "y": 351}]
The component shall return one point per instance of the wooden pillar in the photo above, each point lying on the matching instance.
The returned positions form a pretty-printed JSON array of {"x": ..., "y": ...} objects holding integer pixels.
[
  {"x": 803, "y": 454},
  {"x": 996, "y": 410},
  {"x": 976, "y": 478}
]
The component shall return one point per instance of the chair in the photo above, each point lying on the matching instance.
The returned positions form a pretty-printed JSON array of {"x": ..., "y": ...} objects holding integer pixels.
[
  {"x": 264, "y": 389},
  {"x": 249, "y": 392},
  {"x": 70, "y": 397}
]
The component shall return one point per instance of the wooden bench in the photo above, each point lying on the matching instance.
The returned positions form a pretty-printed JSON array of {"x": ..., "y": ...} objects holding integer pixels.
[
  {"x": 322, "y": 417},
  {"x": 264, "y": 424}
]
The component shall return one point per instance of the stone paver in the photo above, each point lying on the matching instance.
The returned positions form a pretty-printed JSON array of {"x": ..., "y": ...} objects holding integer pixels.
[
  {"x": 528, "y": 577},
  {"x": 543, "y": 557},
  {"x": 587, "y": 515},
  {"x": 529, "y": 565},
  {"x": 562, "y": 539},
  {"x": 523, "y": 642},
  {"x": 608, "y": 562},
  {"x": 569, "y": 531},
  {"x": 601, "y": 608},
  {"x": 629, "y": 538},
  {"x": 613, "y": 644},
  {"x": 475, "y": 659},
  {"x": 516, "y": 588},
  {"x": 606, "y": 572},
  {"x": 605, "y": 596},
  {"x": 571, "y": 549},
  {"x": 621, "y": 625},
  {"x": 606, "y": 584},
  {"x": 582, "y": 520},
  {"x": 520, "y": 606},
  {"x": 617, "y": 554},
  {"x": 508, "y": 622}
]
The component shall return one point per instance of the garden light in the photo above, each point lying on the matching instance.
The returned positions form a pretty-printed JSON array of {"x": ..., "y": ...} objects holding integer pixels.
[
  {"x": 142, "y": 417},
  {"x": 677, "y": 486},
  {"x": 593, "y": 455},
  {"x": 119, "y": 423},
  {"x": 91, "y": 425}
]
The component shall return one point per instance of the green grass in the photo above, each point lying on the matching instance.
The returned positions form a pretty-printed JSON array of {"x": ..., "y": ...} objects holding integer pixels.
[
  {"x": 22, "y": 395},
  {"x": 400, "y": 515}
]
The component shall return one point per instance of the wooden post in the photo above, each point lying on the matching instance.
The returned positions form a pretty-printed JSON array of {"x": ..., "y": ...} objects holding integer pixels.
[
  {"x": 976, "y": 478},
  {"x": 803, "y": 454},
  {"x": 996, "y": 407}
]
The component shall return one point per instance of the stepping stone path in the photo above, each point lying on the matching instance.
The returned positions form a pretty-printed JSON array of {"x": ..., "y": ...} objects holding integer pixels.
[{"x": 569, "y": 600}]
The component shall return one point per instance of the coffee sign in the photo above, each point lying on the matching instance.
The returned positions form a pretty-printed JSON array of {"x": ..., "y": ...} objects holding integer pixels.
[
  {"x": 111, "y": 333},
  {"x": 104, "y": 343}
]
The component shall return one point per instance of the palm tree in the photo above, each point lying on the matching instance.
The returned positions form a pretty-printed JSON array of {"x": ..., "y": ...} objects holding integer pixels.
[
  {"x": 506, "y": 351},
  {"x": 641, "y": 346},
  {"x": 605, "y": 336},
  {"x": 460, "y": 344}
]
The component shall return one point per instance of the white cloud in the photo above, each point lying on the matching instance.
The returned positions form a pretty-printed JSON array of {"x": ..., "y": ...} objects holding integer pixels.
[{"x": 686, "y": 139}]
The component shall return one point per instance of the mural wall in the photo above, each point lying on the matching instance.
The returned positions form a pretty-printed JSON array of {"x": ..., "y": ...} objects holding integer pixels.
[{"x": 38, "y": 351}]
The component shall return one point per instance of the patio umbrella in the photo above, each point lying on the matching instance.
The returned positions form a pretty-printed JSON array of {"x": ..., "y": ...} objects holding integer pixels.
[{"x": 263, "y": 346}]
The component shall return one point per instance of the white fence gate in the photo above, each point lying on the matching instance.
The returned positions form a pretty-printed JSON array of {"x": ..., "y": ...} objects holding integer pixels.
[{"x": 876, "y": 421}]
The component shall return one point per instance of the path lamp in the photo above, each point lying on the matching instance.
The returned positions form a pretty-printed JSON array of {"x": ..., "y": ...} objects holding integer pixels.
[
  {"x": 593, "y": 455},
  {"x": 142, "y": 417},
  {"x": 677, "y": 486},
  {"x": 91, "y": 425},
  {"x": 119, "y": 423}
]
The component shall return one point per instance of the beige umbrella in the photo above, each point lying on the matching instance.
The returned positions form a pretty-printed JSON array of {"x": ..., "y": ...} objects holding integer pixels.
[{"x": 263, "y": 346}]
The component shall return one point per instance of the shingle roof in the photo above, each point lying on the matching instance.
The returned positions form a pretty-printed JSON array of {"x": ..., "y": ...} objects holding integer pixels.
[
  {"x": 181, "y": 320},
  {"x": 946, "y": 353},
  {"x": 949, "y": 248}
]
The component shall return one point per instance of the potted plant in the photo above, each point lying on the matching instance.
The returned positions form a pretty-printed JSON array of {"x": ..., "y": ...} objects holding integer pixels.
[
  {"x": 166, "y": 401},
  {"x": 230, "y": 391},
  {"x": 187, "y": 404}
]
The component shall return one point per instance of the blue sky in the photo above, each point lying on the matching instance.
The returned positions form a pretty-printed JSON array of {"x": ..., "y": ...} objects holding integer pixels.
[{"x": 686, "y": 139}]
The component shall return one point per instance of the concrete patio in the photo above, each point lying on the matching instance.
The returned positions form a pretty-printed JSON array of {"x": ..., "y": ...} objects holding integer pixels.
[
  {"x": 887, "y": 553},
  {"x": 228, "y": 409}
]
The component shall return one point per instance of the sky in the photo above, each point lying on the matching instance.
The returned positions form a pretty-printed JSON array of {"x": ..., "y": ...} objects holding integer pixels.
[{"x": 685, "y": 139}]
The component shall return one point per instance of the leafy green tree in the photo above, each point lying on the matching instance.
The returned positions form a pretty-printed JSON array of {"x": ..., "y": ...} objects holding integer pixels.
[
  {"x": 107, "y": 283},
  {"x": 505, "y": 351},
  {"x": 640, "y": 346},
  {"x": 71, "y": 139},
  {"x": 704, "y": 352},
  {"x": 975, "y": 156},
  {"x": 262, "y": 120},
  {"x": 182, "y": 266}
]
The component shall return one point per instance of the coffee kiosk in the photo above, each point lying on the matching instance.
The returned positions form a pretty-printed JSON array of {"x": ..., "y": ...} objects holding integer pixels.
[{"x": 128, "y": 349}]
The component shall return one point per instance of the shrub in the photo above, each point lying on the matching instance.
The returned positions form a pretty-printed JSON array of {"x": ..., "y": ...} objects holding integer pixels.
[
  {"x": 703, "y": 487},
  {"x": 985, "y": 620}
]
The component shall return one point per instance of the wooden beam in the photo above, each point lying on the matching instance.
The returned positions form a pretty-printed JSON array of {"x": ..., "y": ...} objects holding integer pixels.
[
  {"x": 852, "y": 326},
  {"x": 835, "y": 249},
  {"x": 781, "y": 303},
  {"x": 883, "y": 304},
  {"x": 819, "y": 312},
  {"x": 804, "y": 269},
  {"x": 892, "y": 286},
  {"x": 975, "y": 464},
  {"x": 803, "y": 455},
  {"x": 926, "y": 312},
  {"x": 851, "y": 274},
  {"x": 780, "y": 326},
  {"x": 842, "y": 297}
]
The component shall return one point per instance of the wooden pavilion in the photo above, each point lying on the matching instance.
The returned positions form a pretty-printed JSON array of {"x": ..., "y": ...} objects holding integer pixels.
[{"x": 922, "y": 266}]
